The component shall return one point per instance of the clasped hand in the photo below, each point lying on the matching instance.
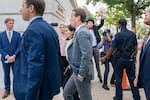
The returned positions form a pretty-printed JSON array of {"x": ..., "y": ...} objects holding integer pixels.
[{"x": 11, "y": 59}]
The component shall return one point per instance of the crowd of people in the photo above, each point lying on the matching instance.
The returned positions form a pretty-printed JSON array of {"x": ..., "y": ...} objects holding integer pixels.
[{"x": 43, "y": 61}]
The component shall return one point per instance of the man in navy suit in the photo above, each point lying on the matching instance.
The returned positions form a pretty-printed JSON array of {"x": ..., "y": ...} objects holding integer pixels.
[
  {"x": 144, "y": 59},
  {"x": 9, "y": 48},
  {"x": 39, "y": 74}
]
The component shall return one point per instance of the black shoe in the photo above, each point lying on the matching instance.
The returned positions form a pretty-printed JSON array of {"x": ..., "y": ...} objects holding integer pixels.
[
  {"x": 126, "y": 89},
  {"x": 114, "y": 98},
  {"x": 100, "y": 80},
  {"x": 112, "y": 82},
  {"x": 105, "y": 87}
]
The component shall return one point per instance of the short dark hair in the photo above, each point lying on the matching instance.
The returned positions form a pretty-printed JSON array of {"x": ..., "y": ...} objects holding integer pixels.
[
  {"x": 90, "y": 19},
  {"x": 80, "y": 12},
  {"x": 8, "y": 19},
  {"x": 122, "y": 22},
  {"x": 38, "y": 4},
  {"x": 107, "y": 30},
  {"x": 71, "y": 28}
]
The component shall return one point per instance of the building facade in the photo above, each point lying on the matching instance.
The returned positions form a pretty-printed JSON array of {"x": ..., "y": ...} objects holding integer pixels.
[{"x": 56, "y": 12}]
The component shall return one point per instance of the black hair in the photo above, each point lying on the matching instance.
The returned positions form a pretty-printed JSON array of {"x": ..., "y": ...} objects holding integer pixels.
[
  {"x": 107, "y": 30},
  {"x": 71, "y": 28},
  {"x": 89, "y": 19},
  {"x": 122, "y": 22}
]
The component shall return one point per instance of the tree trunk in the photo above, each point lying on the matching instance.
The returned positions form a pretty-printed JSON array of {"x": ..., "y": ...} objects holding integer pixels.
[{"x": 133, "y": 18}]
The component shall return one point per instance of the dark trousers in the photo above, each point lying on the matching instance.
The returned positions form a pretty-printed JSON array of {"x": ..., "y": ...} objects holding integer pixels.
[
  {"x": 106, "y": 72},
  {"x": 6, "y": 68},
  {"x": 96, "y": 59},
  {"x": 113, "y": 62},
  {"x": 64, "y": 65},
  {"x": 122, "y": 63}
]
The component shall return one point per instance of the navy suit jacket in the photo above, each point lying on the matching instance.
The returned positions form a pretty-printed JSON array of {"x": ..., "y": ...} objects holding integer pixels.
[
  {"x": 145, "y": 64},
  {"x": 39, "y": 71},
  {"x": 7, "y": 48}
]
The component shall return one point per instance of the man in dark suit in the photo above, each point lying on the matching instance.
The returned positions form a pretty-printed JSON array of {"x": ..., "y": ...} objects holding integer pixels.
[
  {"x": 9, "y": 48},
  {"x": 40, "y": 56},
  {"x": 96, "y": 39},
  {"x": 125, "y": 44},
  {"x": 144, "y": 59}
]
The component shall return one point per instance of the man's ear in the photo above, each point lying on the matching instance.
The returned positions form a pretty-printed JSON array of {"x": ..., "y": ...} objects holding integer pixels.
[
  {"x": 32, "y": 8},
  {"x": 79, "y": 17}
]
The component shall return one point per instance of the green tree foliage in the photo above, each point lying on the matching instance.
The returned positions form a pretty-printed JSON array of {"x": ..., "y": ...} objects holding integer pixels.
[
  {"x": 89, "y": 14},
  {"x": 141, "y": 29},
  {"x": 133, "y": 9},
  {"x": 113, "y": 14}
]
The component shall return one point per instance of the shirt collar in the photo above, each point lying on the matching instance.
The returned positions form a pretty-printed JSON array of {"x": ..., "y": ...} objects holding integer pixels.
[
  {"x": 34, "y": 18},
  {"x": 9, "y": 31},
  {"x": 79, "y": 27},
  {"x": 123, "y": 29}
]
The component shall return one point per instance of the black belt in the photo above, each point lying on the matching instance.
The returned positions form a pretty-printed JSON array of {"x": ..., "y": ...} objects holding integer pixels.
[{"x": 94, "y": 46}]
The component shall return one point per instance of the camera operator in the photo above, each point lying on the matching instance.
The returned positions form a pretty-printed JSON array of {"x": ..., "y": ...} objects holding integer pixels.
[{"x": 106, "y": 42}]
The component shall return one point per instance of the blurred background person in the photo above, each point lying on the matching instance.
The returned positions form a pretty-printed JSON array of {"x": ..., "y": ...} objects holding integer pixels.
[
  {"x": 62, "y": 42},
  {"x": 106, "y": 42},
  {"x": 96, "y": 39},
  {"x": 125, "y": 44},
  {"x": 9, "y": 48}
]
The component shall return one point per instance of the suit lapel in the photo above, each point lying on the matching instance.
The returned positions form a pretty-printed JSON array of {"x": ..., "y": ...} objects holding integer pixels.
[
  {"x": 144, "y": 50},
  {"x": 5, "y": 37},
  {"x": 74, "y": 36}
]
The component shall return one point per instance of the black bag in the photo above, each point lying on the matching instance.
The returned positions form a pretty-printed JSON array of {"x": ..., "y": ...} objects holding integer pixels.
[
  {"x": 67, "y": 75},
  {"x": 102, "y": 54}
]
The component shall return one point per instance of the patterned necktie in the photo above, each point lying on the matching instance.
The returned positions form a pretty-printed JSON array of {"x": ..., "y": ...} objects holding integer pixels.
[{"x": 9, "y": 37}]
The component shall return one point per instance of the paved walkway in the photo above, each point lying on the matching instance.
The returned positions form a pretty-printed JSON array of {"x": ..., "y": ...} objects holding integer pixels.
[{"x": 98, "y": 92}]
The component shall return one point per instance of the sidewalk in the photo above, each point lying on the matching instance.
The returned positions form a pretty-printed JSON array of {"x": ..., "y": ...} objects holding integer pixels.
[{"x": 98, "y": 92}]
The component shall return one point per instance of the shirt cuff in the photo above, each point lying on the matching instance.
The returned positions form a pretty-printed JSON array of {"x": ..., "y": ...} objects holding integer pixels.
[
  {"x": 14, "y": 56},
  {"x": 6, "y": 56}
]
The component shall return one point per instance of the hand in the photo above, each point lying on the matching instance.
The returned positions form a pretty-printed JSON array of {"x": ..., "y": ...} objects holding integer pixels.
[
  {"x": 103, "y": 59},
  {"x": 135, "y": 82},
  {"x": 11, "y": 59},
  {"x": 80, "y": 78},
  {"x": 98, "y": 46}
]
